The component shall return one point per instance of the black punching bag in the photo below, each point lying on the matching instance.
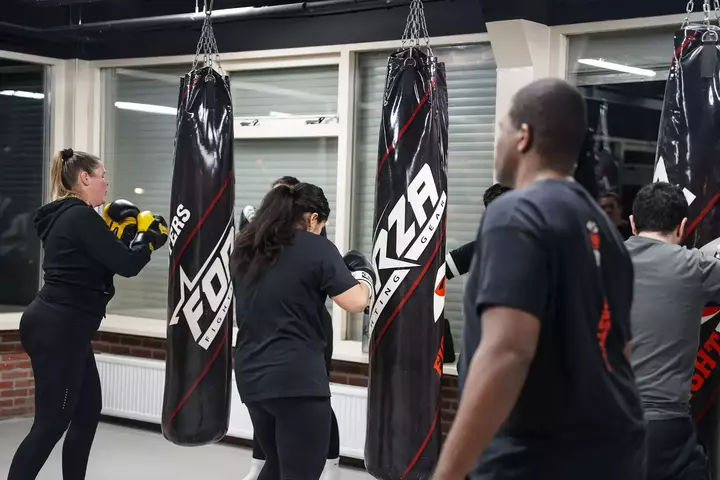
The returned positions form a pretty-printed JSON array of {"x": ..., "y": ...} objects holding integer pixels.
[
  {"x": 196, "y": 404},
  {"x": 689, "y": 156},
  {"x": 406, "y": 327}
]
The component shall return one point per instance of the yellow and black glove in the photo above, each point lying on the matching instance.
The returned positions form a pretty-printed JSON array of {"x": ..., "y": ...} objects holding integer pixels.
[
  {"x": 120, "y": 217},
  {"x": 152, "y": 229}
]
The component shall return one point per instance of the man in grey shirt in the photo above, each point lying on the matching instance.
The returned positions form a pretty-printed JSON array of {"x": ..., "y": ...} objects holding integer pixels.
[{"x": 672, "y": 285}]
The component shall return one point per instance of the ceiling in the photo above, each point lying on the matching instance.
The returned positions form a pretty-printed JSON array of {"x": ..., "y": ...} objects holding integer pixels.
[
  {"x": 109, "y": 28},
  {"x": 56, "y": 13}
]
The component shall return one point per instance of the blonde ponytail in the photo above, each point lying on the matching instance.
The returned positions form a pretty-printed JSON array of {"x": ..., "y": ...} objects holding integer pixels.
[{"x": 65, "y": 170}]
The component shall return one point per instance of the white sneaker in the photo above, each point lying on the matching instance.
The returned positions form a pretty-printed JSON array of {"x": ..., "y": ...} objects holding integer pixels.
[
  {"x": 332, "y": 470},
  {"x": 256, "y": 467}
]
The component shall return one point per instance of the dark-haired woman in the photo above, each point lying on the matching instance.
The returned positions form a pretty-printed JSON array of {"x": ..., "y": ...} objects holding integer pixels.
[
  {"x": 332, "y": 465},
  {"x": 284, "y": 271},
  {"x": 81, "y": 256}
]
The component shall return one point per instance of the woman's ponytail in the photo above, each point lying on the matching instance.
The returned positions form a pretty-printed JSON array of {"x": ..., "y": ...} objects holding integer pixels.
[
  {"x": 259, "y": 244},
  {"x": 58, "y": 189},
  {"x": 281, "y": 214}
]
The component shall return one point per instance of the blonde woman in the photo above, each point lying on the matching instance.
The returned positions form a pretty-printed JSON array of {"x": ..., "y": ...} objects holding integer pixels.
[{"x": 81, "y": 257}]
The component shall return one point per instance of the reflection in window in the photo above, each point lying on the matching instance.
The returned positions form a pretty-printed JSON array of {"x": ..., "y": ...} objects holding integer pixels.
[{"x": 22, "y": 169}]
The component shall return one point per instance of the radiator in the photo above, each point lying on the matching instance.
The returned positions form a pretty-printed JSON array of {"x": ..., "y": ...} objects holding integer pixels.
[{"x": 133, "y": 389}]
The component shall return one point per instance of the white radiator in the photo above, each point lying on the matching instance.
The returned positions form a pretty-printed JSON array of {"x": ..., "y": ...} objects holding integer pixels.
[{"x": 133, "y": 389}]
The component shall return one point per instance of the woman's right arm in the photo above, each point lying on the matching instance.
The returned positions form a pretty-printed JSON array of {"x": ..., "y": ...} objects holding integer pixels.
[
  {"x": 350, "y": 292},
  {"x": 91, "y": 231}
]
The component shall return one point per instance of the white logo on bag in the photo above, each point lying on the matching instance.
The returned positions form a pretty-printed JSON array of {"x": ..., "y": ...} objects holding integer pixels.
[
  {"x": 211, "y": 287},
  {"x": 409, "y": 245},
  {"x": 177, "y": 223}
]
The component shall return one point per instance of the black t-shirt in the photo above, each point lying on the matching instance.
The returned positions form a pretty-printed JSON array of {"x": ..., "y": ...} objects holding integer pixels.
[
  {"x": 579, "y": 413},
  {"x": 281, "y": 338}
]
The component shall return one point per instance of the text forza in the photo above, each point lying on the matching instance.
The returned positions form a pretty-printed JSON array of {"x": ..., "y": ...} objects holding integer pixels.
[
  {"x": 394, "y": 264},
  {"x": 206, "y": 298}
]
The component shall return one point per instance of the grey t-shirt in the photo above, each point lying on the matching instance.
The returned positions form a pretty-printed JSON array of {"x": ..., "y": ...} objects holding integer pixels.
[{"x": 672, "y": 285}]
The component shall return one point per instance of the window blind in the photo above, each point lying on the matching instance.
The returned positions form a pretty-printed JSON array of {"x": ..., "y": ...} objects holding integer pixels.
[
  {"x": 139, "y": 152},
  {"x": 471, "y": 81}
]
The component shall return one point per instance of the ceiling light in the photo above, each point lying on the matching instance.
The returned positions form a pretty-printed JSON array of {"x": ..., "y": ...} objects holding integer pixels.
[
  {"x": 21, "y": 94},
  {"x": 143, "y": 107},
  {"x": 617, "y": 67},
  {"x": 139, "y": 191}
]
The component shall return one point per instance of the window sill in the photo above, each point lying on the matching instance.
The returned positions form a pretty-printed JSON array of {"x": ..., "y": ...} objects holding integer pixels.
[
  {"x": 351, "y": 351},
  {"x": 343, "y": 351}
]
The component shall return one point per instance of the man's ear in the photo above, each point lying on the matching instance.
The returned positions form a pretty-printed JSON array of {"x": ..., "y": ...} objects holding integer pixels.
[
  {"x": 682, "y": 227},
  {"x": 632, "y": 225},
  {"x": 525, "y": 138}
]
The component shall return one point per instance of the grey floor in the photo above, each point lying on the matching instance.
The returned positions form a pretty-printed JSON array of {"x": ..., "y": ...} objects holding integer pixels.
[{"x": 143, "y": 455}]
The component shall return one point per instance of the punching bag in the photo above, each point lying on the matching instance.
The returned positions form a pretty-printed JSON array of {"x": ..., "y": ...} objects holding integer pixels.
[
  {"x": 406, "y": 330},
  {"x": 196, "y": 404},
  {"x": 689, "y": 156}
]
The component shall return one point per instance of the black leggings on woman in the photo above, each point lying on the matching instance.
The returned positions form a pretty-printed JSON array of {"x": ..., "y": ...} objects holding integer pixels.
[
  {"x": 333, "y": 448},
  {"x": 294, "y": 433},
  {"x": 67, "y": 389}
]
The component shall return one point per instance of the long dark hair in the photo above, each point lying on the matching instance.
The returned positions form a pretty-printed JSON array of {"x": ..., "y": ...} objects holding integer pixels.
[{"x": 280, "y": 215}]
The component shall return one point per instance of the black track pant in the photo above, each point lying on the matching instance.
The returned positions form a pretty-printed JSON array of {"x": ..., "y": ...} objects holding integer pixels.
[
  {"x": 674, "y": 452},
  {"x": 294, "y": 433},
  {"x": 67, "y": 390},
  {"x": 333, "y": 448}
]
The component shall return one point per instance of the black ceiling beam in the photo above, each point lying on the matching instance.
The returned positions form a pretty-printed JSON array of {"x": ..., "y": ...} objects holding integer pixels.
[{"x": 233, "y": 14}]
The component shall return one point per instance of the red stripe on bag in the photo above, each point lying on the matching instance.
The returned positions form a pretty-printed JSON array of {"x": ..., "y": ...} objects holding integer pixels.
[{"x": 423, "y": 100}]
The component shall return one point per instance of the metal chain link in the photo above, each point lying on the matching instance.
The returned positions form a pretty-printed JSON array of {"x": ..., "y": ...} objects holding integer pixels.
[
  {"x": 706, "y": 12},
  {"x": 207, "y": 45},
  {"x": 689, "y": 9},
  {"x": 416, "y": 27},
  {"x": 717, "y": 10}
]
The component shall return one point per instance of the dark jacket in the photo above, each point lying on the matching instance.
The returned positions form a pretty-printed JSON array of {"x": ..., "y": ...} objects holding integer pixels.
[{"x": 81, "y": 256}]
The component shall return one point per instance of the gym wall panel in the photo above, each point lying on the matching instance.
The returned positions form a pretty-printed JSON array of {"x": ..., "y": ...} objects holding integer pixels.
[
  {"x": 139, "y": 152},
  {"x": 22, "y": 168},
  {"x": 471, "y": 80}
]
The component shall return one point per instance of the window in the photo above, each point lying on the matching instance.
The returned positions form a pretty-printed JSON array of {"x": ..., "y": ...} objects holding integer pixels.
[
  {"x": 591, "y": 57},
  {"x": 269, "y": 143},
  {"x": 22, "y": 166},
  {"x": 624, "y": 87},
  {"x": 471, "y": 80}
]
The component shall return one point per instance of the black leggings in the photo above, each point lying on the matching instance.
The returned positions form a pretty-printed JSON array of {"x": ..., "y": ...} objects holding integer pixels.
[
  {"x": 67, "y": 390},
  {"x": 294, "y": 433},
  {"x": 333, "y": 449}
]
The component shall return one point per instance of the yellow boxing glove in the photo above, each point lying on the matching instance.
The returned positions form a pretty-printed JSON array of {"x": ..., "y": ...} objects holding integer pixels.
[
  {"x": 152, "y": 229},
  {"x": 120, "y": 218}
]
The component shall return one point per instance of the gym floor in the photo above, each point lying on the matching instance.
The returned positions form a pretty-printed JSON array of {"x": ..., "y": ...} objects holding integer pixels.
[{"x": 125, "y": 453}]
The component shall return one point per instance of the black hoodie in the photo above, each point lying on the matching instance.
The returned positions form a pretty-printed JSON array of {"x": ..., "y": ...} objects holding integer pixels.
[{"x": 81, "y": 256}]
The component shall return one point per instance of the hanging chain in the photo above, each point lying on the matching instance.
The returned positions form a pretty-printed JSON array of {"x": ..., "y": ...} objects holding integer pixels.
[
  {"x": 717, "y": 10},
  {"x": 207, "y": 45},
  {"x": 415, "y": 28},
  {"x": 690, "y": 8},
  {"x": 706, "y": 13}
]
